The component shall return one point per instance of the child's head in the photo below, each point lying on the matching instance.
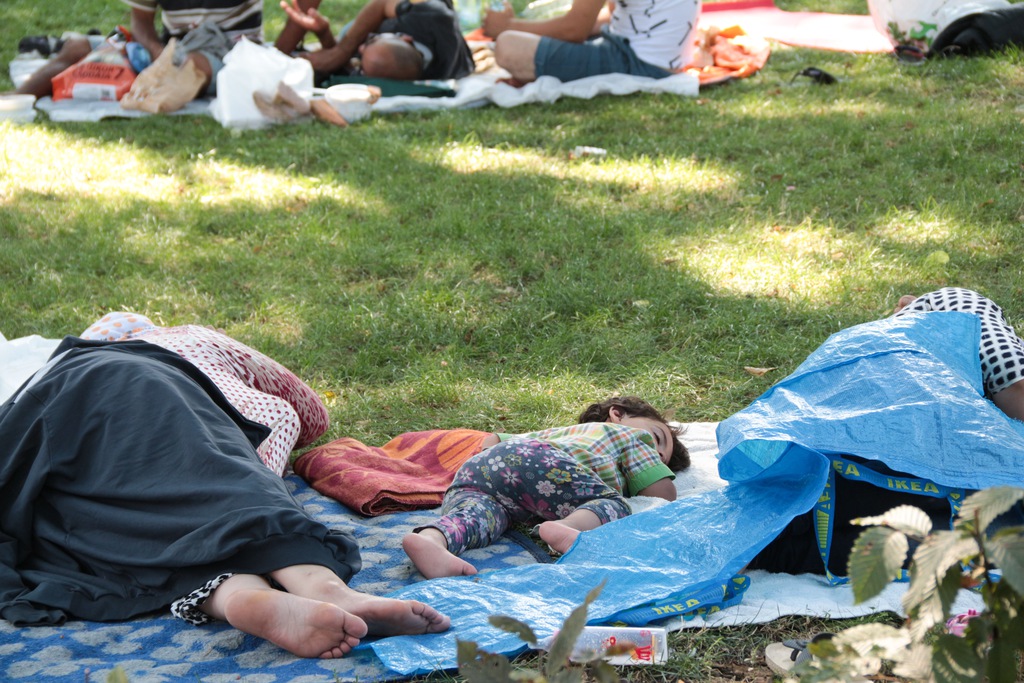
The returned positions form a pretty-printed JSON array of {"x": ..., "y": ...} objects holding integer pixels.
[{"x": 618, "y": 407}]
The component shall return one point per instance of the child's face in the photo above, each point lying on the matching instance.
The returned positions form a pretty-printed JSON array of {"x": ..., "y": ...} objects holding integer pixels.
[{"x": 659, "y": 430}]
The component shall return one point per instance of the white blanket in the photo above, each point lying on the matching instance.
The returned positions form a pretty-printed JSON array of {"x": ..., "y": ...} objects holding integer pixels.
[
  {"x": 19, "y": 359},
  {"x": 471, "y": 92}
]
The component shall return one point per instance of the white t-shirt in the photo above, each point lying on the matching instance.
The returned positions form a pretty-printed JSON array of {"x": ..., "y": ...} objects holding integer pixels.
[{"x": 660, "y": 32}]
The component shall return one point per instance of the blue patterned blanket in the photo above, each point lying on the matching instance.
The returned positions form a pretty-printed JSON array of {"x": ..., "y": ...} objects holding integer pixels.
[{"x": 162, "y": 649}]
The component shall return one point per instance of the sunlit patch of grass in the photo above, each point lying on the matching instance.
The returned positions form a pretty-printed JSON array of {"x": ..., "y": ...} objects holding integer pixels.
[{"x": 35, "y": 159}]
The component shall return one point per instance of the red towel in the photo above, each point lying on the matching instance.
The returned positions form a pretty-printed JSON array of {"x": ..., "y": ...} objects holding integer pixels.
[{"x": 410, "y": 472}]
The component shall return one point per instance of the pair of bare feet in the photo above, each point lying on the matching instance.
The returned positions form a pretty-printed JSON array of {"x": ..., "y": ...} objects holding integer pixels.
[
  {"x": 317, "y": 615},
  {"x": 428, "y": 549}
]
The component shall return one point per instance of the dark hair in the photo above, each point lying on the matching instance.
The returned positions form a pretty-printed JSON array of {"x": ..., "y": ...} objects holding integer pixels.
[{"x": 637, "y": 407}]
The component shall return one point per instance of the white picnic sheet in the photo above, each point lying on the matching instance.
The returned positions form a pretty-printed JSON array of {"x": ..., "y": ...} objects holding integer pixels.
[{"x": 472, "y": 91}]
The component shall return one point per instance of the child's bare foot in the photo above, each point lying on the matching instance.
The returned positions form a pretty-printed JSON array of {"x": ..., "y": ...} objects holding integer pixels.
[
  {"x": 557, "y": 535},
  {"x": 429, "y": 552},
  {"x": 904, "y": 301},
  {"x": 304, "y": 627}
]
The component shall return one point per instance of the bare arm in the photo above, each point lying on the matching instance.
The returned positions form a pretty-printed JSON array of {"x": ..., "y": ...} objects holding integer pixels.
[
  {"x": 574, "y": 26},
  {"x": 663, "y": 488},
  {"x": 303, "y": 18},
  {"x": 143, "y": 29},
  {"x": 366, "y": 22}
]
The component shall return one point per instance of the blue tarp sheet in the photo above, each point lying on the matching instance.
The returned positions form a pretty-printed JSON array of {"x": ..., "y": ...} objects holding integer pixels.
[{"x": 905, "y": 391}]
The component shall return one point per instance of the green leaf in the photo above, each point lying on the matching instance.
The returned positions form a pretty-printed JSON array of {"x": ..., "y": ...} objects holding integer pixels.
[
  {"x": 477, "y": 666},
  {"x": 1001, "y": 663},
  {"x": 1007, "y": 553},
  {"x": 948, "y": 588},
  {"x": 117, "y": 675},
  {"x": 955, "y": 661},
  {"x": 565, "y": 641},
  {"x": 567, "y": 676},
  {"x": 935, "y": 261},
  {"x": 908, "y": 519},
  {"x": 988, "y": 504},
  {"x": 881, "y": 640},
  {"x": 941, "y": 552},
  {"x": 510, "y": 625},
  {"x": 915, "y": 663},
  {"x": 875, "y": 560},
  {"x": 604, "y": 673}
]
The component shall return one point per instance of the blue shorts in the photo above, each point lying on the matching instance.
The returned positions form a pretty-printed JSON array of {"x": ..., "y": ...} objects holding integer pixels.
[{"x": 603, "y": 54}]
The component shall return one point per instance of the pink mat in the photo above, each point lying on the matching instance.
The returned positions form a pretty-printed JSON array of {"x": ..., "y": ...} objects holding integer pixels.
[{"x": 839, "y": 32}]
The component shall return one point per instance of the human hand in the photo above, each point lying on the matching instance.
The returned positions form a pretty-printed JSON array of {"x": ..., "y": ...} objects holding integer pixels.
[
  {"x": 497, "y": 21},
  {"x": 310, "y": 20}
]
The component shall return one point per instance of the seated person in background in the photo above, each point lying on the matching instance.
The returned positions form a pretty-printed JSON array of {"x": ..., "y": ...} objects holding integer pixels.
[
  {"x": 399, "y": 39},
  {"x": 223, "y": 23},
  {"x": 652, "y": 38}
]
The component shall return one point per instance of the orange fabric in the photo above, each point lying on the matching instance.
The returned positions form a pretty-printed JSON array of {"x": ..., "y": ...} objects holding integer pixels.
[
  {"x": 410, "y": 472},
  {"x": 734, "y": 55}
]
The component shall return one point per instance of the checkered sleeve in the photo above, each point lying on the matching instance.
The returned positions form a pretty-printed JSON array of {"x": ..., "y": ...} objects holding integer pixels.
[{"x": 639, "y": 460}]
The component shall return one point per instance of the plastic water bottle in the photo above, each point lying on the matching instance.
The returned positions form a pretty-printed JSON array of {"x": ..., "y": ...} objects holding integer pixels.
[{"x": 641, "y": 645}]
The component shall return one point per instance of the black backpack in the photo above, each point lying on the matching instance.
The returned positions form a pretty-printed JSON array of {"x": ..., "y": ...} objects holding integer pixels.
[{"x": 981, "y": 33}]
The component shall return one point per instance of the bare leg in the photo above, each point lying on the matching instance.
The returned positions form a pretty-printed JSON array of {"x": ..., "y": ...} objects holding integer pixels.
[
  {"x": 383, "y": 616},
  {"x": 562, "y": 533},
  {"x": 40, "y": 83},
  {"x": 428, "y": 550},
  {"x": 1011, "y": 400},
  {"x": 304, "y": 627},
  {"x": 514, "y": 51}
]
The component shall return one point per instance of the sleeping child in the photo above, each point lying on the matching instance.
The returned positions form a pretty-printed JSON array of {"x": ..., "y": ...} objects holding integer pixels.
[{"x": 573, "y": 479}]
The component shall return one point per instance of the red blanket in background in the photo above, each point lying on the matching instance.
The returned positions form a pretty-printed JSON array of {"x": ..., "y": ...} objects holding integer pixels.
[{"x": 410, "y": 472}]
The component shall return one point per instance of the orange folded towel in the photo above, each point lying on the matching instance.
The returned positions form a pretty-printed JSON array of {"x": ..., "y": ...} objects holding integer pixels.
[{"x": 410, "y": 472}]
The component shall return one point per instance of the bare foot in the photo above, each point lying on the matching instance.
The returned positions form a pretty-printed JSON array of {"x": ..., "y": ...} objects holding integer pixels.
[
  {"x": 391, "y": 617},
  {"x": 431, "y": 556},
  {"x": 304, "y": 627},
  {"x": 557, "y": 535},
  {"x": 383, "y": 616}
]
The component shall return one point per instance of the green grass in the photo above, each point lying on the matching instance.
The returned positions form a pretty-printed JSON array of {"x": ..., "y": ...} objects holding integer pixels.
[{"x": 457, "y": 269}]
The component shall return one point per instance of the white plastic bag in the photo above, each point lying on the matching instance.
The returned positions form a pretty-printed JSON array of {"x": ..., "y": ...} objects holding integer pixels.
[
  {"x": 917, "y": 22},
  {"x": 249, "y": 68}
]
